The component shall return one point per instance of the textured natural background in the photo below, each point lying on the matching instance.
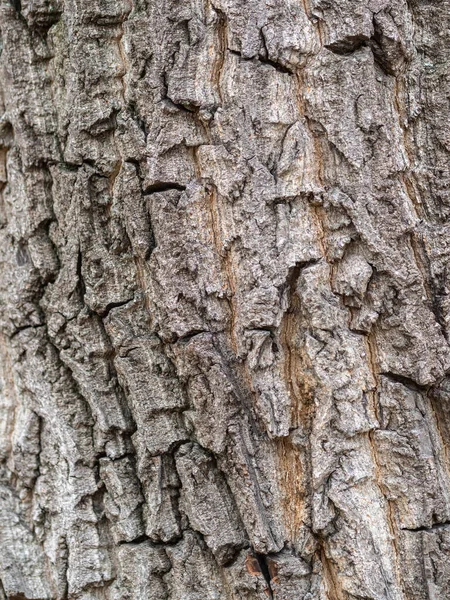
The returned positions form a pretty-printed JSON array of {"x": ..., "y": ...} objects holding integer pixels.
[{"x": 224, "y": 300}]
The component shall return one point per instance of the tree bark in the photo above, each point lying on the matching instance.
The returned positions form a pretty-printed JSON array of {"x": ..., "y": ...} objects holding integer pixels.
[{"x": 224, "y": 300}]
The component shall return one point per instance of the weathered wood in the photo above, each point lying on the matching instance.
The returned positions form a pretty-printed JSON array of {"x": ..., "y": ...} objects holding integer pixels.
[{"x": 224, "y": 245}]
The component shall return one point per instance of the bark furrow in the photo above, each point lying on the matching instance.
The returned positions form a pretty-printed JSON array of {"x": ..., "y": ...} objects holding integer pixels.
[{"x": 224, "y": 306}]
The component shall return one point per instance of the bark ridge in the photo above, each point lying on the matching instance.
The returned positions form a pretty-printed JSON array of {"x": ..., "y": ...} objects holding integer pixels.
[{"x": 224, "y": 311}]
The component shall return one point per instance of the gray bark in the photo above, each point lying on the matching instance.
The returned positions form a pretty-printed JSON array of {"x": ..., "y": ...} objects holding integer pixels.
[{"x": 224, "y": 300}]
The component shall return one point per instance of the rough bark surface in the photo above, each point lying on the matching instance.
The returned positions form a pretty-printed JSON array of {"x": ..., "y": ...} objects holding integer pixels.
[{"x": 224, "y": 300}]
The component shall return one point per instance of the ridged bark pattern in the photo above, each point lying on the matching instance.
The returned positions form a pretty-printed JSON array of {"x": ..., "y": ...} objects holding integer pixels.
[{"x": 224, "y": 300}]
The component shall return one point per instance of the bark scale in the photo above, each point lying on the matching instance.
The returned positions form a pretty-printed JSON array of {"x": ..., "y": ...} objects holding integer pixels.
[{"x": 224, "y": 301}]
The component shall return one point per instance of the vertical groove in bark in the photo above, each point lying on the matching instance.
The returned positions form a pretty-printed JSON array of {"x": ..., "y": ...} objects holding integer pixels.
[{"x": 223, "y": 300}]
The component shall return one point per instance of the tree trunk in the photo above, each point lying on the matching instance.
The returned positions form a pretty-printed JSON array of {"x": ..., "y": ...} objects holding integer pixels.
[{"x": 224, "y": 300}]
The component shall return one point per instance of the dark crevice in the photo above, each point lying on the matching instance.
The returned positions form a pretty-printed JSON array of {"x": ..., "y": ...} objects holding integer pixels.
[
  {"x": 164, "y": 186},
  {"x": 347, "y": 45},
  {"x": 170, "y": 102},
  {"x": 81, "y": 284},
  {"x": 438, "y": 296},
  {"x": 22, "y": 597},
  {"x": 97, "y": 499},
  {"x": 434, "y": 527},
  {"x": 265, "y": 56},
  {"x": 137, "y": 540},
  {"x": 90, "y": 162},
  {"x": 264, "y": 567},
  {"x": 435, "y": 289},
  {"x": 137, "y": 166},
  {"x": 293, "y": 276},
  {"x": 376, "y": 45},
  {"x": 185, "y": 338},
  {"x": 23, "y": 327},
  {"x": 272, "y": 329},
  {"x": 283, "y": 199},
  {"x": 108, "y": 308},
  {"x": 379, "y": 58},
  {"x": 68, "y": 166},
  {"x": 121, "y": 388},
  {"x": 17, "y": 5},
  {"x": 406, "y": 381},
  {"x": 37, "y": 471},
  {"x": 237, "y": 550},
  {"x": 275, "y": 65},
  {"x": 262, "y": 60},
  {"x": 180, "y": 105},
  {"x": 138, "y": 119}
]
